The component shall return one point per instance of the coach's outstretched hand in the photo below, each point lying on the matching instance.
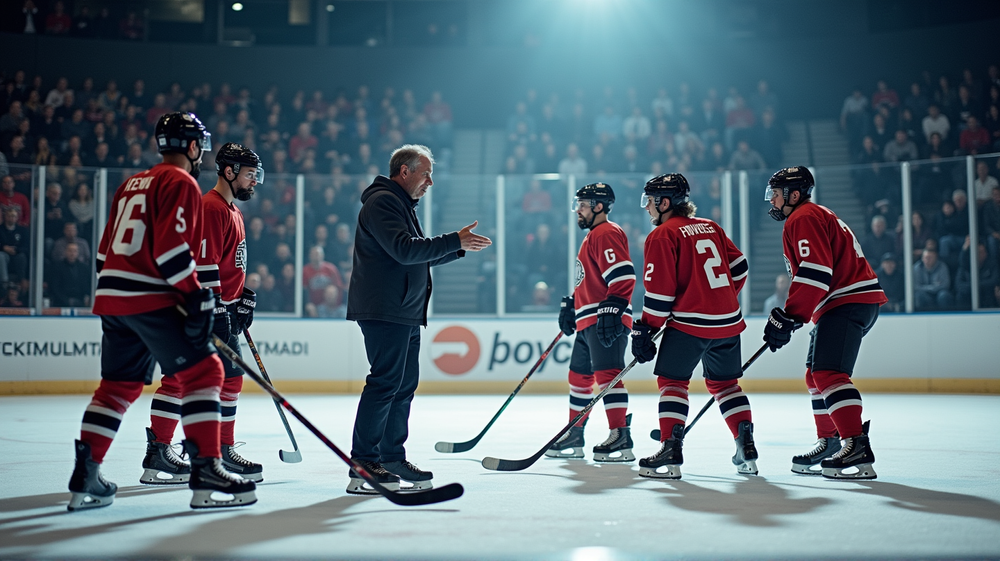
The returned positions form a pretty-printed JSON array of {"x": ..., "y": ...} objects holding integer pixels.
[
  {"x": 471, "y": 241},
  {"x": 778, "y": 329}
]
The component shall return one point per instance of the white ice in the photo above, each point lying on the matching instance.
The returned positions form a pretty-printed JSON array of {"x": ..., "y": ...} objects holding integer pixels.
[{"x": 937, "y": 493}]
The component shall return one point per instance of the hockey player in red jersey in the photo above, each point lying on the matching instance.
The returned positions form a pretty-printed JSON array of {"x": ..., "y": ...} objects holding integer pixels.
[
  {"x": 146, "y": 276},
  {"x": 834, "y": 287},
  {"x": 599, "y": 313},
  {"x": 692, "y": 275},
  {"x": 221, "y": 266}
]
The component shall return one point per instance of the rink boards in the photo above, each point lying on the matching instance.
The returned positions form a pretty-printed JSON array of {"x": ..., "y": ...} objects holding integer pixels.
[{"x": 917, "y": 353}]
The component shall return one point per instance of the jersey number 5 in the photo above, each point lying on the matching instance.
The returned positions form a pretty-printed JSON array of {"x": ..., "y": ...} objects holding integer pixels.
[{"x": 714, "y": 281}]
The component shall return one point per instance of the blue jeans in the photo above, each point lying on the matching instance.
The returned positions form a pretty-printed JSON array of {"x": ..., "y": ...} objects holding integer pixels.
[{"x": 381, "y": 426}]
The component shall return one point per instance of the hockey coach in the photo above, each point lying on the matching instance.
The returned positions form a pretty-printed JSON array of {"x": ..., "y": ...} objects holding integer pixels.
[{"x": 388, "y": 295}]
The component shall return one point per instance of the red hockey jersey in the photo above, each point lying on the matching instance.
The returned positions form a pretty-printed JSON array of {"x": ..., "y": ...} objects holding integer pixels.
[
  {"x": 603, "y": 268},
  {"x": 692, "y": 275},
  {"x": 222, "y": 255},
  {"x": 826, "y": 264},
  {"x": 144, "y": 260}
]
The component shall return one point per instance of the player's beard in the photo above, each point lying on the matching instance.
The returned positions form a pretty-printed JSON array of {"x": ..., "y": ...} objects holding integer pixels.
[
  {"x": 244, "y": 193},
  {"x": 582, "y": 222}
]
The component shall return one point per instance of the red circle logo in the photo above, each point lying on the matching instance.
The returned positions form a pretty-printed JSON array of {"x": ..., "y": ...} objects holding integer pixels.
[{"x": 449, "y": 340}]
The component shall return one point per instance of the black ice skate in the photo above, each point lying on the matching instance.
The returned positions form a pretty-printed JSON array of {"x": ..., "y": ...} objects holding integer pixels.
[
  {"x": 618, "y": 446},
  {"x": 234, "y": 463},
  {"x": 89, "y": 488},
  {"x": 358, "y": 486},
  {"x": 854, "y": 460},
  {"x": 745, "y": 458},
  {"x": 211, "y": 483},
  {"x": 808, "y": 463},
  {"x": 669, "y": 458},
  {"x": 569, "y": 445},
  {"x": 162, "y": 466},
  {"x": 418, "y": 478}
]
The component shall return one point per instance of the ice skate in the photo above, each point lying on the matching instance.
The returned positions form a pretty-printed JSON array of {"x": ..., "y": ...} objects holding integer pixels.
[
  {"x": 854, "y": 460},
  {"x": 358, "y": 486},
  {"x": 234, "y": 463},
  {"x": 162, "y": 466},
  {"x": 745, "y": 458},
  {"x": 213, "y": 486},
  {"x": 669, "y": 458},
  {"x": 618, "y": 446},
  {"x": 89, "y": 488},
  {"x": 416, "y": 477},
  {"x": 570, "y": 445},
  {"x": 808, "y": 463}
]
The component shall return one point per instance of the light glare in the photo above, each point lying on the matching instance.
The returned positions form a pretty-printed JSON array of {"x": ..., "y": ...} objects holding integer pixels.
[{"x": 237, "y": 6}]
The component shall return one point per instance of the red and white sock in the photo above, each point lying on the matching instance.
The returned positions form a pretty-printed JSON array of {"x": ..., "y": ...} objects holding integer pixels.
[
  {"x": 231, "y": 389},
  {"x": 733, "y": 403},
  {"x": 824, "y": 424},
  {"x": 103, "y": 416},
  {"x": 673, "y": 405},
  {"x": 165, "y": 411},
  {"x": 843, "y": 401},
  {"x": 581, "y": 391},
  {"x": 616, "y": 400},
  {"x": 200, "y": 413}
]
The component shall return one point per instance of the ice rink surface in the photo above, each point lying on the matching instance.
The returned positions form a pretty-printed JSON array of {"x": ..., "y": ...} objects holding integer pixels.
[{"x": 937, "y": 495}]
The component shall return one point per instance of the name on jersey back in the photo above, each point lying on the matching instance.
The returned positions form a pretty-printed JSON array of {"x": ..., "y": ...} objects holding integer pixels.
[{"x": 695, "y": 229}]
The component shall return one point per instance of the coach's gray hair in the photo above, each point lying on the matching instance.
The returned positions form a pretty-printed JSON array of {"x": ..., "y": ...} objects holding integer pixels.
[{"x": 408, "y": 155}]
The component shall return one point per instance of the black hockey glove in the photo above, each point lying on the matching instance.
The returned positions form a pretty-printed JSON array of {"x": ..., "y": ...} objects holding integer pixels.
[
  {"x": 223, "y": 324},
  {"x": 778, "y": 329},
  {"x": 609, "y": 320},
  {"x": 200, "y": 307},
  {"x": 643, "y": 347},
  {"x": 242, "y": 311},
  {"x": 567, "y": 316}
]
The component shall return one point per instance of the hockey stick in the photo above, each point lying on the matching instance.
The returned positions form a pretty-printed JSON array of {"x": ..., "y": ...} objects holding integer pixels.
[
  {"x": 455, "y": 447},
  {"x": 496, "y": 464},
  {"x": 295, "y": 456},
  {"x": 409, "y": 498},
  {"x": 655, "y": 433}
]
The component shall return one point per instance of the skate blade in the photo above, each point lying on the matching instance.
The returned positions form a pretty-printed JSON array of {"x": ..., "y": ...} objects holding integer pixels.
[
  {"x": 860, "y": 471},
  {"x": 84, "y": 501},
  {"x": 803, "y": 469},
  {"x": 156, "y": 477},
  {"x": 359, "y": 486},
  {"x": 621, "y": 457},
  {"x": 670, "y": 472},
  {"x": 575, "y": 453},
  {"x": 748, "y": 467},
  {"x": 207, "y": 498},
  {"x": 416, "y": 486}
]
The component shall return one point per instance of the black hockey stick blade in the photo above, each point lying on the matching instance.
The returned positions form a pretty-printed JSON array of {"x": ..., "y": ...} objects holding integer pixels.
[
  {"x": 497, "y": 464},
  {"x": 294, "y": 456},
  {"x": 655, "y": 433},
  {"x": 406, "y": 498},
  {"x": 457, "y": 447}
]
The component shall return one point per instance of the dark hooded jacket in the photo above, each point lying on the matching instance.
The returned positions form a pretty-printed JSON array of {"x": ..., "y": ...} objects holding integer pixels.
[{"x": 391, "y": 280}]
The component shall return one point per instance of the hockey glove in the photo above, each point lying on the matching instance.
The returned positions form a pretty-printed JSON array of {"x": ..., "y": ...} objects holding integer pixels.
[
  {"x": 567, "y": 316},
  {"x": 778, "y": 329},
  {"x": 609, "y": 320},
  {"x": 242, "y": 311},
  {"x": 200, "y": 307},
  {"x": 223, "y": 324},
  {"x": 643, "y": 347}
]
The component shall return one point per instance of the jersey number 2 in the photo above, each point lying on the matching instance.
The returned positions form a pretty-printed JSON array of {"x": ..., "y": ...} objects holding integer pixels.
[{"x": 714, "y": 281}]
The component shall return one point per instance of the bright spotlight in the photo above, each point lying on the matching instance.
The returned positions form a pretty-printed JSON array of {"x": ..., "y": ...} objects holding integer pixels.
[
  {"x": 237, "y": 6},
  {"x": 329, "y": 7}
]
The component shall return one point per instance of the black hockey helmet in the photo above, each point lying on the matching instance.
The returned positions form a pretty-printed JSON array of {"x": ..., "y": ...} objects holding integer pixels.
[
  {"x": 673, "y": 186},
  {"x": 596, "y": 193},
  {"x": 797, "y": 178},
  {"x": 236, "y": 156},
  {"x": 174, "y": 132}
]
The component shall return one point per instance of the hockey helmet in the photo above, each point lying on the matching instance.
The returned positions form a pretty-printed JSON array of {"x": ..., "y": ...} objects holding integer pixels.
[
  {"x": 595, "y": 193},
  {"x": 174, "y": 132},
  {"x": 797, "y": 178},
  {"x": 236, "y": 156},
  {"x": 673, "y": 186}
]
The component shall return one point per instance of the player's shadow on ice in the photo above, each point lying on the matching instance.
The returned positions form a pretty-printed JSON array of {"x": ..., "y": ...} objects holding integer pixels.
[
  {"x": 596, "y": 478},
  {"x": 752, "y": 502},
  {"x": 32, "y": 502},
  {"x": 932, "y": 502}
]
